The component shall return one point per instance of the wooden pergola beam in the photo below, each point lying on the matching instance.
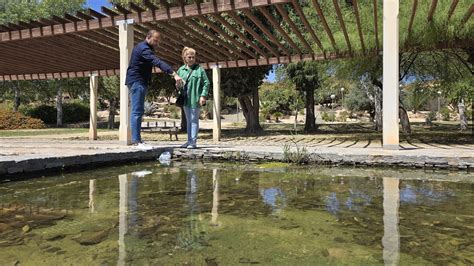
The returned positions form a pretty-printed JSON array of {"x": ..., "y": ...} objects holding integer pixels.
[
  {"x": 468, "y": 14},
  {"x": 227, "y": 36},
  {"x": 359, "y": 27},
  {"x": 293, "y": 26},
  {"x": 325, "y": 24},
  {"x": 239, "y": 34},
  {"x": 146, "y": 16},
  {"x": 412, "y": 17},
  {"x": 277, "y": 26},
  {"x": 342, "y": 24},
  {"x": 235, "y": 53},
  {"x": 248, "y": 29},
  {"x": 452, "y": 8},
  {"x": 262, "y": 27},
  {"x": 434, "y": 3},
  {"x": 211, "y": 47},
  {"x": 149, "y": 4},
  {"x": 376, "y": 25},
  {"x": 177, "y": 41},
  {"x": 308, "y": 27}
]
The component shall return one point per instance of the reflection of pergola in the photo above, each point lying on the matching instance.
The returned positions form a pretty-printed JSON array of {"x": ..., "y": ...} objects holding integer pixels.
[{"x": 226, "y": 33}]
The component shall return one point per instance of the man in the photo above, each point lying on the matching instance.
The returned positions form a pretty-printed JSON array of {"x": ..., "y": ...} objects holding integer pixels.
[{"x": 138, "y": 77}]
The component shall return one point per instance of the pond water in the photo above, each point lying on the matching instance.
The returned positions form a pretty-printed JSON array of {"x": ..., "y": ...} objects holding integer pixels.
[{"x": 231, "y": 214}]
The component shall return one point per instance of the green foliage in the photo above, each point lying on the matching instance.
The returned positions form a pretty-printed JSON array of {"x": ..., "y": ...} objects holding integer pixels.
[
  {"x": 15, "y": 120},
  {"x": 296, "y": 154},
  {"x": 328, "y": 117},
  {"x": 72, "y": 113},
  {"x": 445, "y": 113},
  {"x": 342, "y": 116},
  {"x": 417, "y": 97},
  {"x": 25, "y": 10},
  {"x": 304, "y": 75},
  {"x": 432, "y": 116},
  {"x": 280, "y": 97},
  {"x": 357, "y": 101},
  {"x": 238, "y": 82}
]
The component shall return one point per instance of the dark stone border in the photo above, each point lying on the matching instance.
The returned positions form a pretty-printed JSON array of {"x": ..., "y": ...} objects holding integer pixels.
[{"x": 15, "y": 170}]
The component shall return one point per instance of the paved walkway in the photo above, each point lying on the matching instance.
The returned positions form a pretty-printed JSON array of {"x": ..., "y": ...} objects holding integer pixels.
[{"x": 25, "y": 155}]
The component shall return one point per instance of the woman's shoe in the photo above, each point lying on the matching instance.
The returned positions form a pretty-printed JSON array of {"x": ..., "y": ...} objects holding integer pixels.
[
  {"x": 191, "y": 147},
  {"x": 185, "y": 145}
]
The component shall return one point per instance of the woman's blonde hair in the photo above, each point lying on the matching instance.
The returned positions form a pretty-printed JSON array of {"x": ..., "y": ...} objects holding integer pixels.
[{"x": 187, "y": 50}]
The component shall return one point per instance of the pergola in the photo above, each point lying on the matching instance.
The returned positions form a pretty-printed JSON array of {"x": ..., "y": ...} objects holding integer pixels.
[{"x": 226, "y": 34}]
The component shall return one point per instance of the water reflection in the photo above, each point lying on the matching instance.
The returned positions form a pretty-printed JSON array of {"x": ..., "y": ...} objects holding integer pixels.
[
  {"x": 123, "y": 226},
  {"x": 391, "y": 236},
  {"x": 92, "y": 195},
  {"x": 181, "y": 211},
  {"x": 215, "y": 197}
]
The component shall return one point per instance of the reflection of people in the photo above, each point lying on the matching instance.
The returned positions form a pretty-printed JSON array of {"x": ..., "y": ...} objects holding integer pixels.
[
  {"x": 139, "y": 71},
  {"x": 195, "y": 88}
]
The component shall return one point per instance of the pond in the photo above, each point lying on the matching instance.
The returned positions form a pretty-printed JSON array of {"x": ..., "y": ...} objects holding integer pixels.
[{"x": 230, "y": 214}]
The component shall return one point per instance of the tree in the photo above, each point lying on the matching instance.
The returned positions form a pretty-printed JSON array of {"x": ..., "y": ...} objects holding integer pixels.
[
  {"x": 304, "y": 75},
  {"x": 243, "y": 83},
  {"x": 109, "y": 89}
]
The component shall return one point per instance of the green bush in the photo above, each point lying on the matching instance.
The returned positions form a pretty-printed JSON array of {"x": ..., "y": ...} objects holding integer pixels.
[
  {"x": 432, "y": 116},
  {"x": 445, "y": 113},
  {"x": 72, "y": 113},
  {"x": 342, "y": 117},
  {"x": 16, "y": 120},
  {"x": 328, "y": 117}
]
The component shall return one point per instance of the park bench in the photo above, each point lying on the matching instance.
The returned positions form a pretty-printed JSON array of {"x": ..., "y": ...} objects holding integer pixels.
[{"x": 162, "y": 126}]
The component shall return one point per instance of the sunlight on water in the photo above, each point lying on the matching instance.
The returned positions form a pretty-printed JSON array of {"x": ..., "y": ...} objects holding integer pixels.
[{"x": 210, "y": 214}]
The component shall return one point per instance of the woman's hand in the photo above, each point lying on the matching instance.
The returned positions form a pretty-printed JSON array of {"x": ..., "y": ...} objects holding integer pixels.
[{"x": 202, "y": 101}]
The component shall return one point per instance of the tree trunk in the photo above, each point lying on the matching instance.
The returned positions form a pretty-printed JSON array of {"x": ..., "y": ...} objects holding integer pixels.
[
  {"x": 310, "y": 124},
  {"x": 402, "y": 113},
  {"x": 112, "y": 112},
  {"x": 462, "y": 115},
  {"x": 59, "y": 107},
  {"x": 184, "y": 124},
  {"x": 16, "y": 102},
  {"x": 256, "y": 103},
  {"x": 251, "y": 118},
  {"x": 378, "y": 88}
]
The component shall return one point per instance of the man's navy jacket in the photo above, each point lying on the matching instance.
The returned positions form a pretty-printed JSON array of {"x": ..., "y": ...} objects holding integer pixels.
[{"x": 141, "y": 64}]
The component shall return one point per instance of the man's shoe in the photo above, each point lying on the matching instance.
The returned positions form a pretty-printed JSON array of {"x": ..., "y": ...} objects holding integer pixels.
[
  {"x": 191, "y": 147},
  {"x": 185, "y": 145},
  {"x": 143, "y": 146}
]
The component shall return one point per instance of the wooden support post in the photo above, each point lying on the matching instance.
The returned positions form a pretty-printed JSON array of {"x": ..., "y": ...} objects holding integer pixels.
[
  {"x": 93, "y": 82},
  {"x": 216, "y": 108},
  {"x": 126, "y": 46},
  {"x": 390, "y": 74}
]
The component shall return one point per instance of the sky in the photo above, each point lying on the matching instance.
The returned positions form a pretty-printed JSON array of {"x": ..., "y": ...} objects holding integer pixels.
[{"x": 96, "y": 4}]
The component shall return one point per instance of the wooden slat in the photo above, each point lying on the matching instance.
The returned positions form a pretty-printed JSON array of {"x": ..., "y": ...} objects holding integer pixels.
[
  {"x": 177, "y": 38},
  {"x": 122, "y": 9},
  {"x": 198, "y": 36},
  {"x": 108, "y": 11},
  {"x": 308, "y": 27},
  {"x": 248, "y": 29},
  {"x": 239, "y": 34},
  {"x": 359, "y": 27},
  {"x": 434, "y": 3},
  {"x": 147, "y": 16},
  {"x": 342, "y": 24},
  {"x": 95, "y": 14},
  {"x": 198, "y": 28},
  {"x": 60, "y": 19},
  {"x": 227, "y": 36},
  {"x": 84, "y": 16},
  {"x": 293, "y": 26},
  {"x": 452, "y": 8},
  {"x": 149, "y": 4},
  {"x": 277, "y": 26},
  {"x": 376, "y": 25},
  {"x": 72, "y": 18},
  {"x": 262, "y": 27},
  {"x": 325, "y": 24},
  {"x": 135, "y": 7},
  {"x": 467, "y": 15},
  {"x": 412, "y": 17}
]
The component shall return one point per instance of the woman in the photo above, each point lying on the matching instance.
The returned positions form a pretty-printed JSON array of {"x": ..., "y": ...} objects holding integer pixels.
[{"x": 196, "y": 88}]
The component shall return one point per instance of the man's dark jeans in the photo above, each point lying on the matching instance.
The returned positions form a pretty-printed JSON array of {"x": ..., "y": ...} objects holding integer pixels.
[{"x": 137, "y": 98}]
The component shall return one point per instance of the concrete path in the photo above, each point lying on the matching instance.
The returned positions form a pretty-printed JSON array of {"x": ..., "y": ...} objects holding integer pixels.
[{"x": 22, "y": 156}]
